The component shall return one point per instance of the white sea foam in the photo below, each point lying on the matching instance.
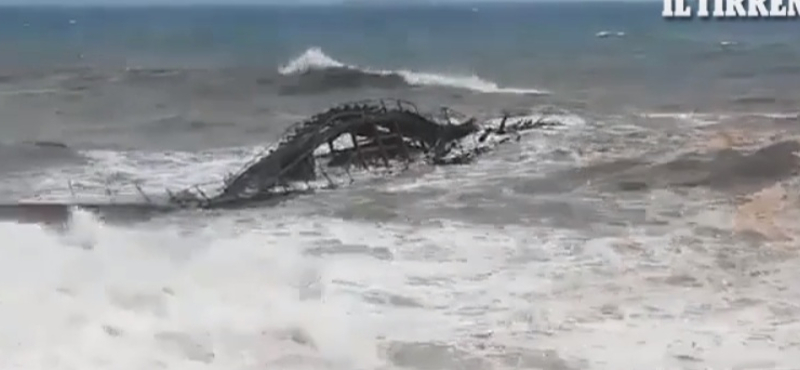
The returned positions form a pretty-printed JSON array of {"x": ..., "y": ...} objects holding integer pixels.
[
  {"x": 250, "y": 295},
  {"x": 606, "y": 34},
  {"x": 280, "y": 288},
  {"x": 712, "y": 118},
  {"x": 315, "y": 59},
  {"x": 693, "y": 118},
  {"x": 118, "y": 171},
  {"x": 103, "y": 297}
]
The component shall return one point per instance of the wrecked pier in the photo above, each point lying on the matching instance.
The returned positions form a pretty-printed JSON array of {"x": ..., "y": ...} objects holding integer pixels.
[{"x": 329, "y": 148}]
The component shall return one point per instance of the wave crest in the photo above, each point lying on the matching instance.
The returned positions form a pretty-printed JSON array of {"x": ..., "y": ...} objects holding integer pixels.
[{"x": 314, "y": 61}]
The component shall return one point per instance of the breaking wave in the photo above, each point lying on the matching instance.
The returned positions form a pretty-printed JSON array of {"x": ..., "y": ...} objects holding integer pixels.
[
  {"x": 315, "y": 63},
  {"x": 135, "y": 299}
]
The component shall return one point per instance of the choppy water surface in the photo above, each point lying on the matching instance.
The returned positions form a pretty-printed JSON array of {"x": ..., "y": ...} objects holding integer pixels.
[{"x": 653, "y": 229}]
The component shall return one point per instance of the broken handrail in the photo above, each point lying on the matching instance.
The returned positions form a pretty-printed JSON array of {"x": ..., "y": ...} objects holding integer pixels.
[{"x": 81, "y": 193}]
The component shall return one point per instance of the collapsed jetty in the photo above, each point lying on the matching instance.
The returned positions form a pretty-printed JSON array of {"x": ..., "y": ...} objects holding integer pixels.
[{"x": 363, "y": 136}]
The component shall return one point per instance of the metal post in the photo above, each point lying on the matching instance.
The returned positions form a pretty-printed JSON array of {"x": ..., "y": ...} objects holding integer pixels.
[
  {"x": 347, "y": 171},
  {"x": 330, "y": 146},
  {"x": 202, "y": 194},
  {"x": 109, "y": 193},
  {"x": 330, "y": 182},
  {"x": 381, "y": 148},
  {"x": 146, "y": 198},
  {"x": 406, "y": 152},
  {"x": 502, "y": 129},
  {"x": 358, "y": 150}
]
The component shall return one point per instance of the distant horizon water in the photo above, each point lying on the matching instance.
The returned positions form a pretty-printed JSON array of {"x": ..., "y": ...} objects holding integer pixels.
[
  {"x": 128, "y": 3},
  {"x": 535, "y": 45}
]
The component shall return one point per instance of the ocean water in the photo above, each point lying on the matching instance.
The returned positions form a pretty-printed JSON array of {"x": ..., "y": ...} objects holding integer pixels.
[{"x": 654, "y": 229}]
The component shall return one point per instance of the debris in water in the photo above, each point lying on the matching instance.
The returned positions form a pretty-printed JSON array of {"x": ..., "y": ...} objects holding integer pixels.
[{"x": 370, "y": 136}]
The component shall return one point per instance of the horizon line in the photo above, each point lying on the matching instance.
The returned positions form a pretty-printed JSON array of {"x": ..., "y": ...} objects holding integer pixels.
[{"x": 360, "y": 3}]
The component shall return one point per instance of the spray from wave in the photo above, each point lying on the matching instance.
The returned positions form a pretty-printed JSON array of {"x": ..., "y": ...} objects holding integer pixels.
[
  {"x": 98, "y": 296},
  {"x": 314, "y": 59}
]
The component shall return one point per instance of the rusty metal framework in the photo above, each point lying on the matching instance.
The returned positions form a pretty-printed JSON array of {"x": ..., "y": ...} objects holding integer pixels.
[{"x": 366, "y": 136}]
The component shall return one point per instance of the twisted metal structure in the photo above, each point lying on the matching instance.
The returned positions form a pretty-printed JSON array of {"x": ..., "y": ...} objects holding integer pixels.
[{"x": 365, "y": 135}]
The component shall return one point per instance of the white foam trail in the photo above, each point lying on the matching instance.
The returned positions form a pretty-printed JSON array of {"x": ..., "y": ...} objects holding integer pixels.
[
  {"x": 708, "y": 119},
  {"x": 30, "y": 92},
  {"x": 315, "y": 59},
  {"x": 695, "y": 119},
  {"x": 473, "y": 82},
  {"x": 776, "y": 115},
  {"x": 606, "y": 34}
]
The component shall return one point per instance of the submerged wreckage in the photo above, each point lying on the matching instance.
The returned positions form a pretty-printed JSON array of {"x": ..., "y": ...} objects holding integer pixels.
[{"x": 366, "y": 135}]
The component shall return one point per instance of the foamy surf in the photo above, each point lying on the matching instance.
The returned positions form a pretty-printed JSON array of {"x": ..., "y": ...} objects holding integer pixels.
[
  {"x": 315, "y": 59},
  {"x": 103, "y": 297},
  {"x": 282, "y": 292},
  {"x": 111, "y": 176}
]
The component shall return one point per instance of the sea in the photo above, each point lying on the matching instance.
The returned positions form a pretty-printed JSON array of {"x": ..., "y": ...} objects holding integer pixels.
[{"x": 654, "y": 228}]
